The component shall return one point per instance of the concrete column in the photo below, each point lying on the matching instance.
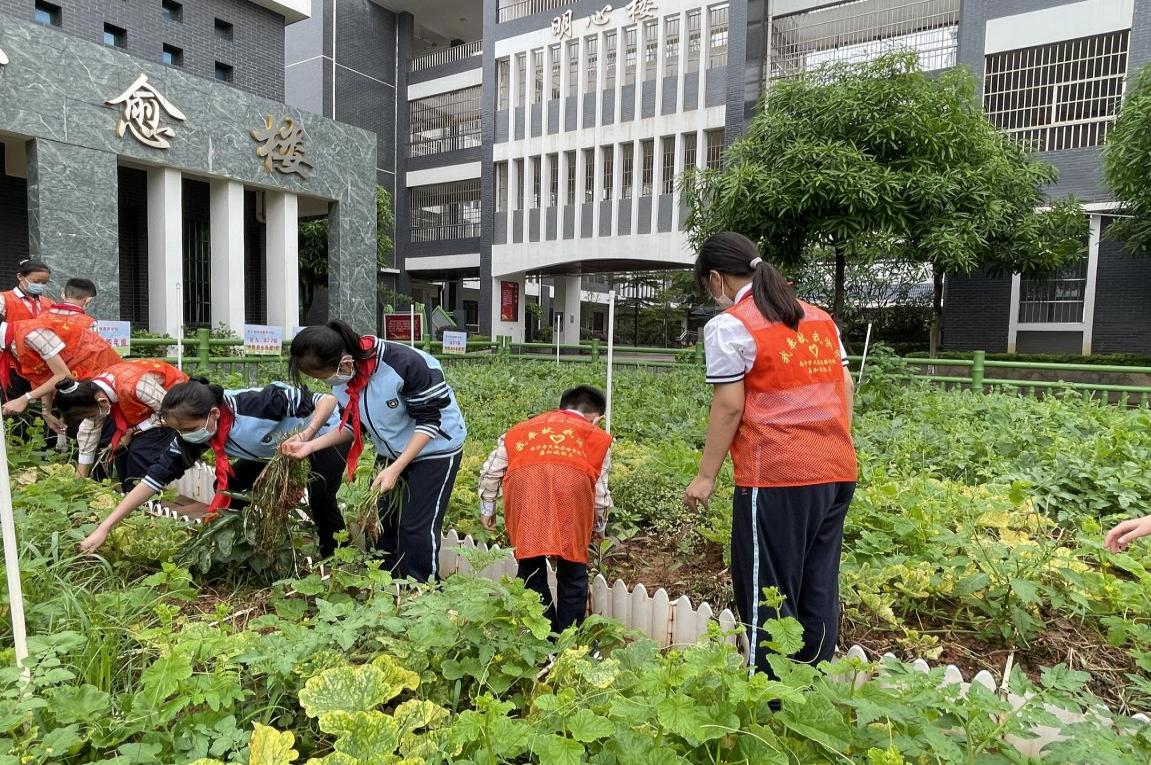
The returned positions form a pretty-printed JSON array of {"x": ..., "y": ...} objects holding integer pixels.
[
  {"x": 282, "y": 260},
  {"x": 72, "y": 214},
  {"x": 570, "y": 305},
  {"x": 513, "y": 329},
  {"x": 165, "y": 251},
  {"x": 228, "y": 255}
]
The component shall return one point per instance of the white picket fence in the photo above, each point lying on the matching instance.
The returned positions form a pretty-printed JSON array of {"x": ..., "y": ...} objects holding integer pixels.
[{"x": 676, "y": 622}]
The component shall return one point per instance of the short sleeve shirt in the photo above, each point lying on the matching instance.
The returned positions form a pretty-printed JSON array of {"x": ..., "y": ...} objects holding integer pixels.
[{"x": 730, "y": 349}]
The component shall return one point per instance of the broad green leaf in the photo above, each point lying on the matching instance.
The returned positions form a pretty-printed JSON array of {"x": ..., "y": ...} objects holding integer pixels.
[
  {"x": 367, "y": 736},
  {"x": 678, "y": 715},
  {"x": 557, "y": 750},
  {"x": 271, "y": 747},
  {"x": 163, "y": 677},
  {"x": 586, "y": 726},
  {"x": 786, "y": 636},
  {"x": 83, "y": 704},
  {"x": 356, "y": 689},
  {"x": 58, "y": 741}
]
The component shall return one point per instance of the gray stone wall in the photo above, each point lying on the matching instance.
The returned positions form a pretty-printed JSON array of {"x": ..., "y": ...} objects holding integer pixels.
[
  {"x": 54, "y": 91},
  {"x": 255, "y": 52}
]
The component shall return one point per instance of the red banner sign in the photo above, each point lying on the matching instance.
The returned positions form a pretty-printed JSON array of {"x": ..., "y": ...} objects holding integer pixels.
[
  {"x": 509, "y": 301},
  {"x": 398, "y": 326}
]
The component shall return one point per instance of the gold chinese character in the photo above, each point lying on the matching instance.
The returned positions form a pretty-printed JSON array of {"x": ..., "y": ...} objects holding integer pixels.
[
  {"x": 532, "y": 436},
  {"x": 520, "y": 446},
  {"x": 547, "y": 431},
  {"x": 785, "y": 356},
  {"x": 282, "y": 149},
  {"x": 815, "y": 335},
  {"x": 641, "y": 10},
  {"x": 801, "y": 338},
  {"x": 142, "y": 105},
  {"x": 791, "y": 343},
  {"x": 601, "y": 17},
  {"x": 562, "y": 25}
]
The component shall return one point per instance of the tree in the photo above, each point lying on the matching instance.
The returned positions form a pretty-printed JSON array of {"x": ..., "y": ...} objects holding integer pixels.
[
  {"x": 313, "y": 247},
  {"x": 1125, "y": 160},
  {"x": 860, "y": 158}
]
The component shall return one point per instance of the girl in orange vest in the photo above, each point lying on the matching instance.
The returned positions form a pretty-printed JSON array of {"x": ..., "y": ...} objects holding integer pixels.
[
  {"x": 782, "y": 408},
  {"x": 23, "y": 302},
  {"x": 129, "y": 395},
  {"x": 554, "y": 470}
]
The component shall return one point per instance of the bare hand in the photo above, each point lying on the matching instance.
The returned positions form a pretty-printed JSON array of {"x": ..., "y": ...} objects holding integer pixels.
[
  {"x": 489, "y": 522},
  {"x": 1127, "y": 532},
  {"x": 15, "y": 406},
  {"x": 296, "y": 449},
  {"x": 126, "y": 438},
  {"x": 55, "y": 424},
  {"x": 386, "y": 480},
  {"x": 93, "y": 541},
  {"x": 699, "y": 492}
]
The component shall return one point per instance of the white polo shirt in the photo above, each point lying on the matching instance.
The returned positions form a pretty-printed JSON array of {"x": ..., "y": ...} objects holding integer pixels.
[{"x": 730, "y": 349}]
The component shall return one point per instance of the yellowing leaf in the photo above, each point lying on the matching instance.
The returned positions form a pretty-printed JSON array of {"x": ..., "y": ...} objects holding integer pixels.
[
  {"x": 367, "y": 736},
  {"x": 271, "y": 747},
  {"x": 355, "y": 689},
  {"x": 415, "y": 714}
]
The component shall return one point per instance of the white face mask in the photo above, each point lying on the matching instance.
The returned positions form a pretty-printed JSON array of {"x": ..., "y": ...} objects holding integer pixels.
[
  {"x": 340, "y": 378},
  {"x": 200, "y": 435},
  {"x": 105, "y": 408},
  {"x": 34, "y": 288}
]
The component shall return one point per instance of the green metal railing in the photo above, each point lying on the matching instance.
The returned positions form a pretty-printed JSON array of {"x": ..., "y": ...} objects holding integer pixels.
[{"x": 976, "y": 373}]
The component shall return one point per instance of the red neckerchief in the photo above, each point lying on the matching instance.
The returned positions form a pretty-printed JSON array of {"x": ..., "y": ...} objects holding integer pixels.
[
  {"x": 364, "y": 371},
  {"x": 223, "y": 466},
  {"x": 121, "y": 425}
]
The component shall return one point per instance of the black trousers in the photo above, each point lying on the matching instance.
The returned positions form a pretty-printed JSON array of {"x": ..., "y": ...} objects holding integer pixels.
[
  {"x": 790, "y": 538},
  {"x": 132, "y": 462},
  {"x": 328, "y": 467},
  {"x": 410, "y": 531},
  {"x": 569, "y": 607},
  {"x": 23, "y": 423}
]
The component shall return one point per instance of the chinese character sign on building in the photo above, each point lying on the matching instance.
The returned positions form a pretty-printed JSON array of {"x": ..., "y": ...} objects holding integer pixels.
[
  {"x": 509, "y": 301},
  {"x": 142, "y": 109},
  {"x": 118, "y": 334},
  {"x": 263, "y": 340},
  {"x": 282, "y": 148},
  {"x": 407, "y": 327},
  {"x": 636, "y": 10}
]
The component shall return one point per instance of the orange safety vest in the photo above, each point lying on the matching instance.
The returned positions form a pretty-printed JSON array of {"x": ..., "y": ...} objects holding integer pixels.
[
  {"x": 554, "y": 461},
  {"x": 85, "y": 353},
  {"x": 795, "y": 429},
  {"x": 17, "y": 308},
  {"x": 123, "y": 378}
]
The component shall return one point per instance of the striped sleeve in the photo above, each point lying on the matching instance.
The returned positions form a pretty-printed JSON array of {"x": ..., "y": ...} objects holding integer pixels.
[
  {"x": 424, "y": 390},
  {"x": 492, "y": 476},
  {"x": 173, "y": 463},
  {"x": 729, "y": 349}
]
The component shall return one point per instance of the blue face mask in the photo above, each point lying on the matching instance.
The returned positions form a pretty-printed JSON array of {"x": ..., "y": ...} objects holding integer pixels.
[
  {"x": 200, "y": 435},
  {"x": 35, "y": 289}
]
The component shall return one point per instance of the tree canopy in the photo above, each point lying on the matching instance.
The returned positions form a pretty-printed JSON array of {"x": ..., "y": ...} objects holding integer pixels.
[{"x": 1126, "y": 158}]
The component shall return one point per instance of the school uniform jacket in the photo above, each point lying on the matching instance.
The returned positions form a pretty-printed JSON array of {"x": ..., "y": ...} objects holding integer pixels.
[
  {"x": 263, "y": 418},
  {"x": 408, "y": 394}
]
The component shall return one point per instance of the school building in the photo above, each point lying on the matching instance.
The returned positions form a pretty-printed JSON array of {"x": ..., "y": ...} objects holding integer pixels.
[{"x": 147, "y": 146}]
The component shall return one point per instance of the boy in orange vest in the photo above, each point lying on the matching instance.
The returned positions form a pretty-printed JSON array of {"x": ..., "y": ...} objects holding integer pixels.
[{"x": 554, "y": 470}]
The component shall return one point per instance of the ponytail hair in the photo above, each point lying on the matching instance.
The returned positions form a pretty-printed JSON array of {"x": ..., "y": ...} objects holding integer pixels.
[
  {"x": 29, "y": 267},
  {"x": 192, "y": 399},
  {"x": 75, "y": 394},
  {"x": 322, "y": 347},
  {"x": 733, "y": 254}
]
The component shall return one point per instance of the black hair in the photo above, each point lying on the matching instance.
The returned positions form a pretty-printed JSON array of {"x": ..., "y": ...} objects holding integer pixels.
[
  {"x": 192, "y": 399},
  {"x": 584, "y": 398},
  {"x": 75, "y": 394},
  {"x": 29, "y": 267},
  {"x": 77, "y": 289},
  {"x": 734, "y": 255},
  {"x": 322, "y": 347}
]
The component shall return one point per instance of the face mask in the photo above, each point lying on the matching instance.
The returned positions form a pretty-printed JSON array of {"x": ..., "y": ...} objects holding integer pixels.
[
  {"x": 200, "y": 436},
  {"x": 35, "y": 288},
  {"x": 722, "y": 300},
  {"x": 341, "y": 379},
  {"x": 105, "y": 410}
]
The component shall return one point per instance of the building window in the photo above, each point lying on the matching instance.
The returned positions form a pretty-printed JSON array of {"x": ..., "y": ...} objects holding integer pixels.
[
  {"x": 521, "y": 191},
  {"x": 591, "y": 45},
  {"x": 570, "y": 161},
  {"x": 224, "y": 72},
  {"x": 537, "y": 76},
  {"x": 554, "y": 72},
  {"x": 630, "y": 52},
  {"x": 669, "y": 165},
  {"x": 445, "y": 211},
  {"x": 553, "y": 180},
  {"x": 172, "y": 56},
  {"x": 501, "y": 187},
  {"x": 114, "y": 37},
  {"x": 693, "y": 40},
  {"x": 172, "y": 10},
  {"x": 648, "y": 172},
  {"x": 224, "y": 30},
  {"x": 48, "y": 14},
  {"x": 446, "y": 122},
  {"x": 503, "y": 84},
  {"x": 610, "y": 40},
  {"x": 714, "y": 140},
  {"x": 671, "y": 46},
  {"x": 537, "y": 181},
  {"x": 588, "y": 176},
  {"x": 628, "y": 160},
  {"x": 650, "y": 49},
  {"x": 717, "y": 37},
  {"x": 808, "y": 40},
  {"x": 1056, "y": 298},
  {"x": 521, "y": 79},
  {"x": 689, "y": 150},
  {"x": 573, "y": 68},
  {"x": 608, "y": 172},
  {"x": 1059, "y": 96}
]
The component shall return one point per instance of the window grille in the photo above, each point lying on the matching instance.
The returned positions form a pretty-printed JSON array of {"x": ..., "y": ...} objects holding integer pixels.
[
  {"x": 591, "y": 45},
  {"x": 1055, "y": 298},
  {"x": 588, "y": 175},
  {"x": 647, "y": 179},
  {"x": 608, "y": 172},
  {"x": 714, "y": 149},
  {"x": 609, "y": 62},
  {"x": 446, "y": 122},
  {"x": 668, "y": 165},
  {"x": 630, "y": 54},
  {"x": 694, "y": 37},
  {"x": 537, "y": 76},
  {"x": 445, "y": 211},
  {"x": 503, "y": 84},
  {"x": 628, "y": 159},
  {"x": 671, "y": 46},
  {"x": 554, "y": 72},
  {"x": 650, "y": 49},
  {"x": 717, "y": 37},
  {"x": 689, "y": 150}
]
